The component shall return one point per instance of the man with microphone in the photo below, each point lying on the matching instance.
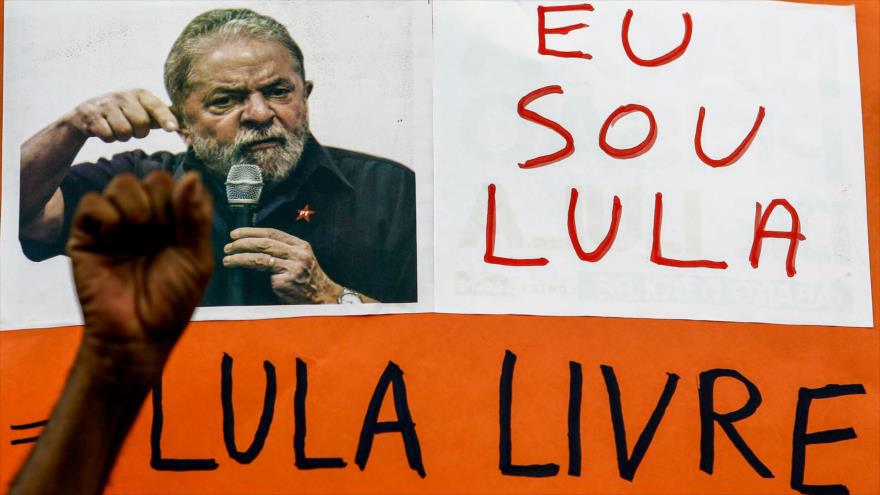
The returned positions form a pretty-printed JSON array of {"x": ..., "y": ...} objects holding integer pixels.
[{"x": 306, "y": 224}]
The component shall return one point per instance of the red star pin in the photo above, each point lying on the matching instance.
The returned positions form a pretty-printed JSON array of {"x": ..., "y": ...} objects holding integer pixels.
[{"x": 305, "y": 213}]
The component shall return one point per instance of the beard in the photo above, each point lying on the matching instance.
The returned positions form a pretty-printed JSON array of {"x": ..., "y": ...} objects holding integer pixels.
[{"x": 276, "y": 162}]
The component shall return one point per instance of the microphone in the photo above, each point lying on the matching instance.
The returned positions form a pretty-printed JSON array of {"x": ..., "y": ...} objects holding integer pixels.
[{"x": 244, "y": 184}]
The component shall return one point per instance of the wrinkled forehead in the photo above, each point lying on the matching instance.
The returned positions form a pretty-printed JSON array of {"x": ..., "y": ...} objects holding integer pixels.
[{"x": 242, "y": 62}]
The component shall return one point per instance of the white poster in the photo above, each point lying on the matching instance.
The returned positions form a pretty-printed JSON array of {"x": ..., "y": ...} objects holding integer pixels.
[
  {"x": 522, "y": 92},
  {"x": 370, "y": 63}
]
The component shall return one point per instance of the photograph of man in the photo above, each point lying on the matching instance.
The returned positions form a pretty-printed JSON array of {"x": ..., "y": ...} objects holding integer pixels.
[{"x": 328, "y": 225}]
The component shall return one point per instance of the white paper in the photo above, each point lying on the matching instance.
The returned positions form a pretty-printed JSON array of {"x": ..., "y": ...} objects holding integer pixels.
[
  {"x": 370, "y": 61},
  {"x": 798, "y": 61}
]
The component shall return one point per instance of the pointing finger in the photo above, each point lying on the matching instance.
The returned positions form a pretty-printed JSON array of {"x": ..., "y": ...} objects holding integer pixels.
[{"x": 158, "y": 111}]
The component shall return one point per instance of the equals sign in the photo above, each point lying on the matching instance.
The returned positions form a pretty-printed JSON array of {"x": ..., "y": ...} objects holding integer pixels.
[{"x": 27, "y": 426}]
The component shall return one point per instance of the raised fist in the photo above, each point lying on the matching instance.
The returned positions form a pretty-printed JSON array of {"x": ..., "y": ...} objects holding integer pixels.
[{"x": 141, "y": 256}]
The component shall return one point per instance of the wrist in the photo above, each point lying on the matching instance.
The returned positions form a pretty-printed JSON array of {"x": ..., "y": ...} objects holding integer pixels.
[
  {"x": 332, "y": 294},
  {"x": 71, "y": 131},
  {"x": 124, "y": 363}
]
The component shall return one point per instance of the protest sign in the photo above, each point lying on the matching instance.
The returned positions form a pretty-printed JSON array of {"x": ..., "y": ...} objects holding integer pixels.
[
  {"x": 652, "y": 160},
  {"x": 636, "y": 160},
  {"x": 442, "y": 403}
]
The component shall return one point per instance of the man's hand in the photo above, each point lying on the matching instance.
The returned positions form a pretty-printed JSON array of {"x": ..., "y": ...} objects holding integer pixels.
[
  {"x": 48, "y": 154},
  {"x": 141, "y": 256},
  {"x": 297, "y": 278},
  {"x": 121, "y": 115}
]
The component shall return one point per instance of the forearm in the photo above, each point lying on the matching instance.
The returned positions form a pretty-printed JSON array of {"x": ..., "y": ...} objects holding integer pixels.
[
  {"x": 101, "y": 399},
  {"x": 137, "y": 297},
  {"x": 45, "y": 159}
]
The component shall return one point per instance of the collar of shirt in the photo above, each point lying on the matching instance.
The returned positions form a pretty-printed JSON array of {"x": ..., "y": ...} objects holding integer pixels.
[{"x": 316, "y": 166}]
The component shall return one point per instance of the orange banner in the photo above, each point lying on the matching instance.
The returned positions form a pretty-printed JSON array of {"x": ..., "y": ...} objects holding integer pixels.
[{"x": 494, "y": 404}]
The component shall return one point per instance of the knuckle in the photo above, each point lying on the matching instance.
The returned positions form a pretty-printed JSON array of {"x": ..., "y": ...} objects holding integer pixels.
[
  {"x": 87, "y": 110},
  {"x": 103, "y": 106},
  {"x": 302, "y": 277},
  {"x": 92, "y": 104}
]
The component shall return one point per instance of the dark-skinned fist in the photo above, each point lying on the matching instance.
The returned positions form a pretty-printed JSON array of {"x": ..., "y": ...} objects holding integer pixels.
[{"x": 141, "y": 255}]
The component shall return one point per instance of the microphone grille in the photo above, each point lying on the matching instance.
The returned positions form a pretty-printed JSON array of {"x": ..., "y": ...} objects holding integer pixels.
[{"x": 244, "y": 184}]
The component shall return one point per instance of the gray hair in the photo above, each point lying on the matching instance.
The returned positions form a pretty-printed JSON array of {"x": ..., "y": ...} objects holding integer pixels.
[{"x": 214, "y": 24}]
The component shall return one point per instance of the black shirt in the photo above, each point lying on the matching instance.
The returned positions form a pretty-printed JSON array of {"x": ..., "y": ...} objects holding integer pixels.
[{"x": 363, "y": 231}]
